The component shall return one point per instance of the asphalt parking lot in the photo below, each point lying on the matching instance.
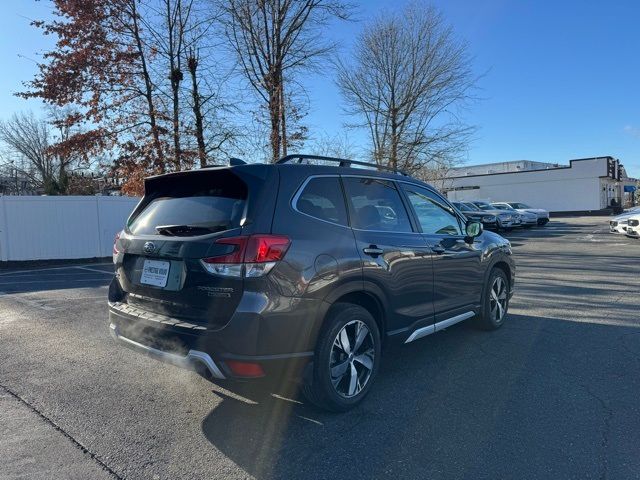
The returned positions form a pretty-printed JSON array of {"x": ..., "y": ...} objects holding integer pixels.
[{"x": 553, "y": 394}]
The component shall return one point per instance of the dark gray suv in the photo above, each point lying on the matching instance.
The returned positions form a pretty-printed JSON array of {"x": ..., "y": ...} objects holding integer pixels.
[{"x": 299, "y": 271}]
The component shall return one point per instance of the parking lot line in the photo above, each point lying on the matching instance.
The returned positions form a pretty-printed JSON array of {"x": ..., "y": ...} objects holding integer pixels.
[
  {"x": 66, "y": 280},
  {"x": 66, "y": 267},
  {"x": 94, "y": 270}
]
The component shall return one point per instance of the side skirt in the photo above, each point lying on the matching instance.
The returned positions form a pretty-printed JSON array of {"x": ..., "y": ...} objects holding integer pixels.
[{"x": 428, "y": 330}]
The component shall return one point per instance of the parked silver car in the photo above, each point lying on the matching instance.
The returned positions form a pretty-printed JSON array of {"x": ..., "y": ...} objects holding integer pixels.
[
  {"x": 506, "y": 220},
  {"x": 541, "y": 213},
  {"x": 528, "y": 219}
]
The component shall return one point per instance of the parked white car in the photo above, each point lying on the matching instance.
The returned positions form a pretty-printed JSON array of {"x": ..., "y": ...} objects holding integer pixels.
[
  {"x": 633, "y": 225},
  {"x": 619, "y": 223},
  {"x": 541, "y": 213}
]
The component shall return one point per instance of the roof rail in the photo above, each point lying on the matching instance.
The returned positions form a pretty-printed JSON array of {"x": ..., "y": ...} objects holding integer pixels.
[{"x": 342, "y": 162}]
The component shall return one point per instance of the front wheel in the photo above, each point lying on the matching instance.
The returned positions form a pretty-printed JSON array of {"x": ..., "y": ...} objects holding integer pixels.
[
  {"x": 495, "y": 302},
  {"x": 347, "y": 359}
]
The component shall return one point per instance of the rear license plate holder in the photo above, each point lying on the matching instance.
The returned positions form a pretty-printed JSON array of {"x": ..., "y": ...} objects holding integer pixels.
[{"x": 155, "y": 273}]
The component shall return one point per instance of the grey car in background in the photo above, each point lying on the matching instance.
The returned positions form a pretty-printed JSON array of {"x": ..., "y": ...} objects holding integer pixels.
[
  {"x": 542, "y": 214},
  {"x": 506, "y": 220},
  {"x": 469, "y": 210},
  {"x": 527, "y": 219}
]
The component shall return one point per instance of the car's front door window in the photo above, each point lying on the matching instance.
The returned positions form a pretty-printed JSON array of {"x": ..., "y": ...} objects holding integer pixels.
[{"x": 433, "y": 215}]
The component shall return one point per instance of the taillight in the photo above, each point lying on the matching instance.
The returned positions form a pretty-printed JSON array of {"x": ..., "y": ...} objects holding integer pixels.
[
  {"x": 115, "y": 245},
  {"x": 266, "y": 248},
  {"x": 252, "y": 256},
  {"x": 235, "y": 256}
]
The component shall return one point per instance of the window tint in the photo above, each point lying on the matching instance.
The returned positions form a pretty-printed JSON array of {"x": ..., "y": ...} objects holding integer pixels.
[
  {"x": 375, "y": 204},
  {"x": 205, "y": 204},
  {"x": 433, "y": 215},
  {"x": 322, "y": 198}
]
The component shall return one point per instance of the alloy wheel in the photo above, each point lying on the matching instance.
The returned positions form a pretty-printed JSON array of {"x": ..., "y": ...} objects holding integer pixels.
[
  {"x": 498, "y": 299},
  {"x": 352, "y": 359}
]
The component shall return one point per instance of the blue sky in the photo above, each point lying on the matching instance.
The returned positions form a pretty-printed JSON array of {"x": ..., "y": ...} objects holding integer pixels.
[{"x": 561, "y": 78}]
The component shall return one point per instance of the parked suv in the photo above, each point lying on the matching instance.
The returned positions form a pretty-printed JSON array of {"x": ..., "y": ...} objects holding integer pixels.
[
  {"x": 633, "y": 225},
  {"x": 299, "y": 271}
]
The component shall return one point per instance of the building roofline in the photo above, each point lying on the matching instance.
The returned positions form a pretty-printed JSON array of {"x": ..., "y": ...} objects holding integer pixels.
[
  {"x": 510, "y": 162},
  {"x": 562, "y": 167}
]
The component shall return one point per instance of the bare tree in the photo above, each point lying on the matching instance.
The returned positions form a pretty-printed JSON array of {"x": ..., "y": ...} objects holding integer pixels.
[
  {"x": 337, "y": 145},
  {"x": 273, "y": 39},
  {"x": 408, "y": 77},
  {"x": 130, "y": 24},
  {"x": 29, "y": 141}
]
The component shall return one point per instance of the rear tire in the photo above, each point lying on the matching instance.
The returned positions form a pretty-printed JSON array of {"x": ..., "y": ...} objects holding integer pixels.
[
  {"x": 495, "y": 301},
  {"x": 347, "y": 359}
]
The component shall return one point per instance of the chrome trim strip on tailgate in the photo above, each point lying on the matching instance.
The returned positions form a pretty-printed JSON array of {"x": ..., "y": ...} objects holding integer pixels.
[
  {"x": 188, "y": 362},
  {"x": 429, "y": 329}
]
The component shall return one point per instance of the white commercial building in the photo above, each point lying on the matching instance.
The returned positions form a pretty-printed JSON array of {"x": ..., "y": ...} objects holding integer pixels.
[{"x": 585, "y": 185}]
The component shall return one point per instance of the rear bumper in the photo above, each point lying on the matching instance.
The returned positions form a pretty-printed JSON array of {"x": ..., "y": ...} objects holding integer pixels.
[
  {"x": 193, "y": 360},
  {"x": 281, "y": 344}
]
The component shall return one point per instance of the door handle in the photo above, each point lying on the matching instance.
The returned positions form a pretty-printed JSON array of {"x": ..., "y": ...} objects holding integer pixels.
[
  {"x": 373, "y": 250},
  {"x": 439, "y": 249}
]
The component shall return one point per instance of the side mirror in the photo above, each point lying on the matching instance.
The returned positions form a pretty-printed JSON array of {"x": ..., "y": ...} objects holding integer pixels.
[{"x": 472, "y": 229}]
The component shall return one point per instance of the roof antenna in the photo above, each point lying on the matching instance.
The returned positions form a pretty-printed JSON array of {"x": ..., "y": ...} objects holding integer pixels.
[{"x": 236, "y": 161}]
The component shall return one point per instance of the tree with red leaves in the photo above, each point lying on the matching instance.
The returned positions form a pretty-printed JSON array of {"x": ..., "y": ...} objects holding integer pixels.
[{"x": 100, "y": 66}]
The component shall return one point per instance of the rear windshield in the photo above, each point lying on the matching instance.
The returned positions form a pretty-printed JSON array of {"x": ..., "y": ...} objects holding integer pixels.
[{"x": 189, "y": 206}]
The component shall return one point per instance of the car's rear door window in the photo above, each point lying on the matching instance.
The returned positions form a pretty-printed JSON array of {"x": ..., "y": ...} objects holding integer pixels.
[
  {"x": 322, "y": 198},
  {"x": 375, "y": 204}
]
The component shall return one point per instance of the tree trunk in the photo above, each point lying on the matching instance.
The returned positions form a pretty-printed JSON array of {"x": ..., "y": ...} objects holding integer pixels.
[
  {"x": 148, "y": 93},
  {"x": 175, "y": 75},
  {"x": 283, "y": 115},
  {"x": 175, "y": 85},
  {"x": 192, "y": 64},
  {"x": 274, "y": 115}
]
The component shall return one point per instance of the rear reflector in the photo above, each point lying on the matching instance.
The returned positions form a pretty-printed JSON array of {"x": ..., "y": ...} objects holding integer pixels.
[{"x": 245, "y": 369}]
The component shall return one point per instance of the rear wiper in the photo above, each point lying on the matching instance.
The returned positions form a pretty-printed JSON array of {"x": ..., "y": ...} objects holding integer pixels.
[{"x": 173, "y": 230}]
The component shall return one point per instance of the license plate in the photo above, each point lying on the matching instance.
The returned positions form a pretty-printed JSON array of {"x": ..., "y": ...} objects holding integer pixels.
[{"x": 155, "y": 272}]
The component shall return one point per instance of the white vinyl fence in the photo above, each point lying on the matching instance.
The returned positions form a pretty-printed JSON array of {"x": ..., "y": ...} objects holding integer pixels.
[{"x": 44, "y": 228}]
